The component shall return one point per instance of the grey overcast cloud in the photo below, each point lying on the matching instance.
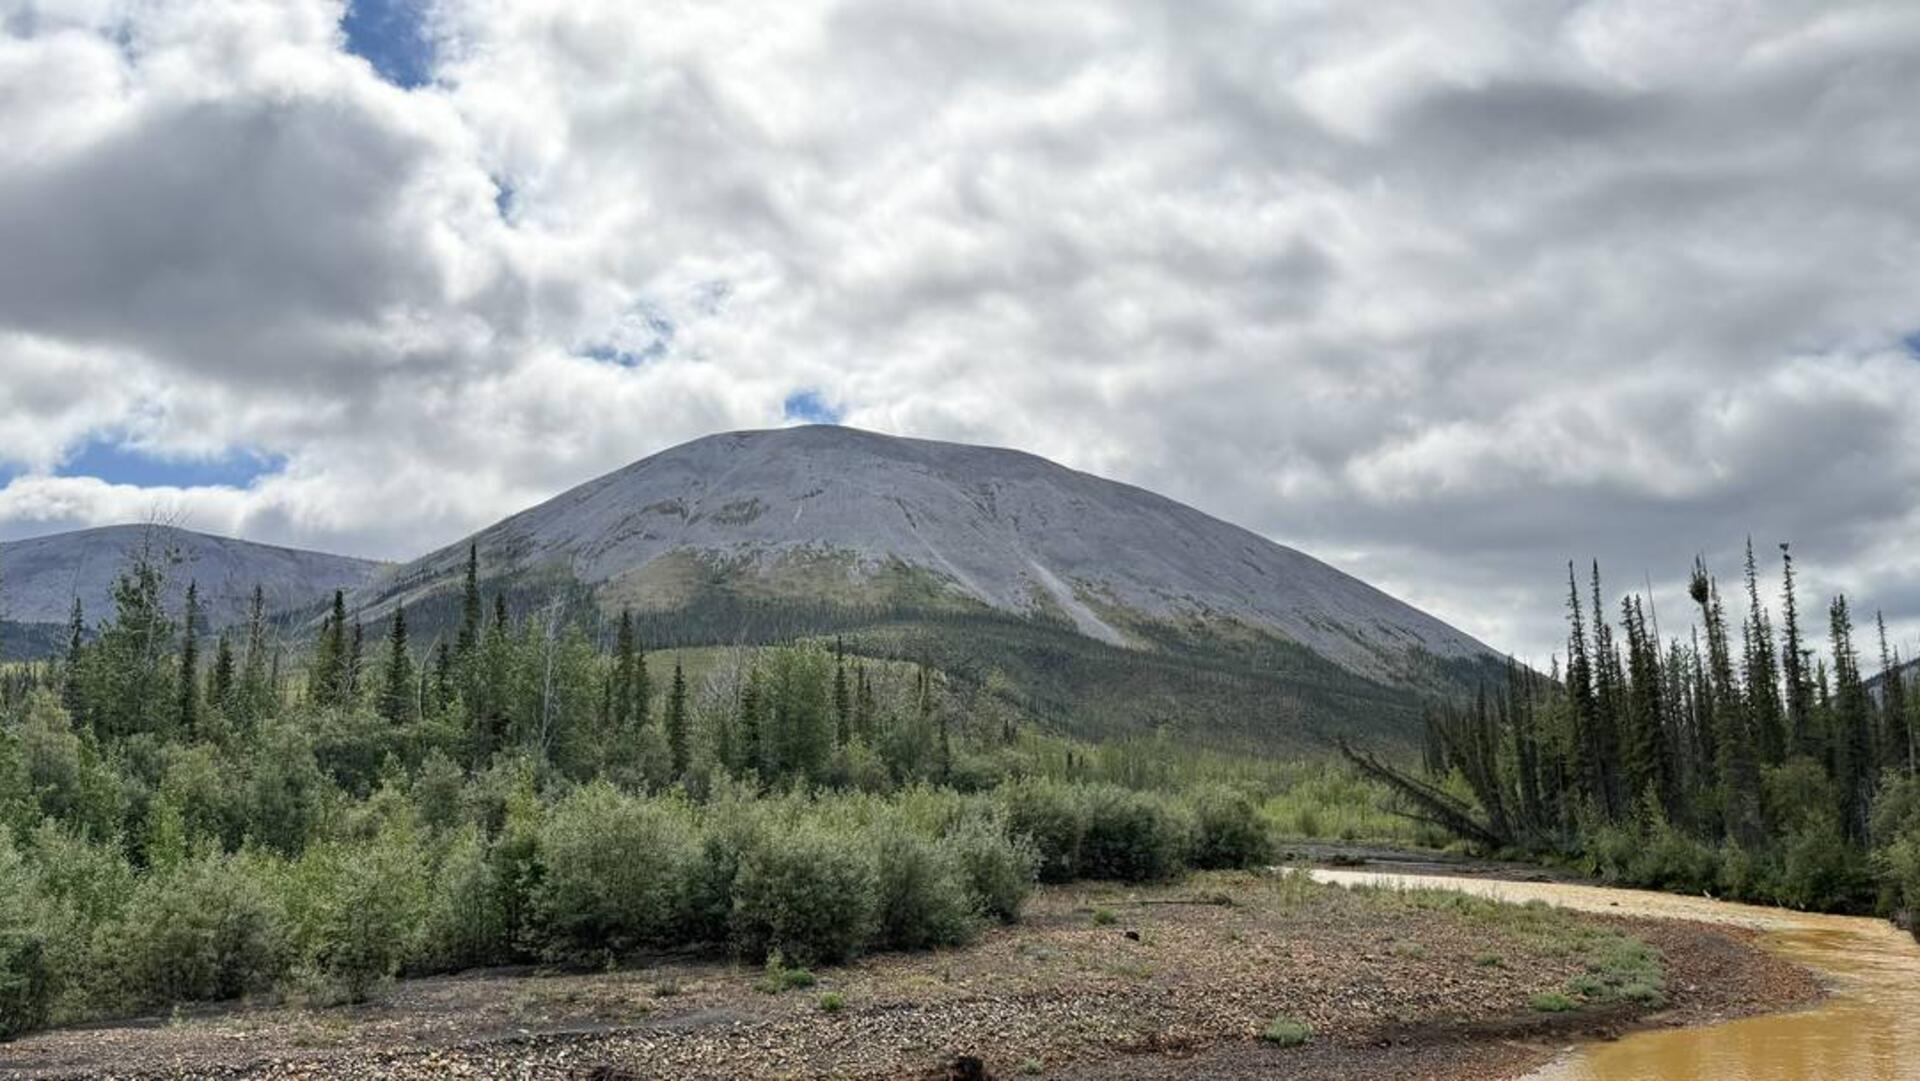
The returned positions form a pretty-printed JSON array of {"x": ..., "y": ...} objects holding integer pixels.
[{"x": 1443, "y": 293}]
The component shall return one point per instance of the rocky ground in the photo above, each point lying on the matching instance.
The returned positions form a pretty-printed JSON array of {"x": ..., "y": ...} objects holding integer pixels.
[{"x": 1098, "y": 981}]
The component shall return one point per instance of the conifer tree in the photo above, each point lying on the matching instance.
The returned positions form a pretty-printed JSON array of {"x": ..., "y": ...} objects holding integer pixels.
[
  {"x": 356, "y": 661},
  {"x": 864, "y": 708},
  {"x": 1648, "y": 767},
  {"x": 257, "y": 684},
  {"x": 469, "y": 639},
  {"x": 676, "y": 720},
  {"x": 748, "y": 749},
  {"x": 190, "y": 666},
  {"x": 329, "y": 676},
  {"x": 222, "y": 682},
  {"x": 642, "y": 687},
  {"x": 443, "y": 677},
  {"x": 1739, "y": 777},
  {"x": 398, "y": 686},
  {"x": 1896, "y": 744},
  {"x": 623, "y": 675},
  {"x": 135, "y": 653},
  {"x": 72, "y": 687},
  {"x": 1583, "y": 710},
  {"x": 842, "y": 696},
  {"x": 1851, "y": 746},
  {"x": 1609, "y": 694},
  {"x": 1762, "y": 672},
  {"x": 1793, "y": 667},
  {"x": 487, "y": 704}
]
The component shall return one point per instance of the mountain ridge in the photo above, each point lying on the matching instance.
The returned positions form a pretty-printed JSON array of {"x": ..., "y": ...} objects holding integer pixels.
[
  {"x": 43, "y": 575},
  {"x": 868, "y": 516}
]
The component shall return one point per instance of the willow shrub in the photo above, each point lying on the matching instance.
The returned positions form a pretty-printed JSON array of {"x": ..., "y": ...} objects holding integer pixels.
[
  {"x": 998, "y": 870},
  {"x": 616, "y": 872},
  {"x": 1229, "y": 830},
  {"x": 207, "y": 929},
  {"x": 1133, "y": 836},
  {"x": 809, "y": 893},
  {"x": 920, "y": 895},
  {"x": 1050, "y": 817}
]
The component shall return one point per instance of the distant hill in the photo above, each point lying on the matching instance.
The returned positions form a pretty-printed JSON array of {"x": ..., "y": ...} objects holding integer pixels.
[
  {"x": 40, "y": 577},
  {"x": 1097, "y": 603}
]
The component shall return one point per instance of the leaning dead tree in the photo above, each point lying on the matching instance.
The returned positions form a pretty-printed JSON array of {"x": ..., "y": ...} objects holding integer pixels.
[{"x": 1432, "y": 804}]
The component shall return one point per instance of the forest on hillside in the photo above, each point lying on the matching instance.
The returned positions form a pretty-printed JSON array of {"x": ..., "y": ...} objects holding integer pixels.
[
  {"x": 1737, "y": 762},
  {"x": 188, "y": 816}
]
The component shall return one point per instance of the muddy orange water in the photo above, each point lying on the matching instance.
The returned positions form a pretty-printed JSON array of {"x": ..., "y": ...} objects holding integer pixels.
[{"x": 1868, "y": 1029}]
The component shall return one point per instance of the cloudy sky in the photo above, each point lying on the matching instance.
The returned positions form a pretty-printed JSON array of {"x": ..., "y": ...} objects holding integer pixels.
[{"x": 1445, "y": 293}]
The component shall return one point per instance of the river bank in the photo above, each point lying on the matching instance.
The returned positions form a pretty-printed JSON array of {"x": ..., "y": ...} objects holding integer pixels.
[{"x": 1176, "y": 980}]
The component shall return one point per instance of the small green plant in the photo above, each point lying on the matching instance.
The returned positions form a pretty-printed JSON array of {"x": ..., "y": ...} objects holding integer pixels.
[
  {"x": 778, "y": 977},
  {"x": 1413, "y": 950},
  {"x": 1284, "y": 1031},
  {"x": 1031, "y": 1067},
  {"x": 667, "y": 988},
  {"x": 1104, "y": 917},
  {"x": 832, "y": 1002},
  {"x": 1490, "y": 960},
  {"x": 1551, "y": 1002}
]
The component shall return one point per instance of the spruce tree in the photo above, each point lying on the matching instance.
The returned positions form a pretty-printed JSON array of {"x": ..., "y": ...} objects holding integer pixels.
[
  {"x": 1851, "y": 747},
  {"x": 676, "y": 720},
  {"x": 1647, "y": 765},
  {"x": 864, "y": 712},
  {"x": 256, "y": 683},
  {"x": 1588, "y": 767},
  {"x": 1739, "y": 776},
  {"x": 842, "y": 696},
  {"x": 1609, "y": 709},
  {"x": 135, "y": 653},
  {"x": 443, "y": 676},
  {"x": 469, "y": 639},
  {"x": 356, "y": 654},
  {"x": 1800, "y": 732},
  {"x": 73, "y": 679},
  {"x": 1762, "y": 672},
  {"x": 222, "y": 683},
  {"x": 189, "y": 678},
  {"x": 398, "y": 685},
  {"x": 487, "y": 702},
  {"x": 623, "y": 676},
  {"x": 748, "y": 748},
  {"x": 1896, "y": 743},
  {"x": 642, "y": 687},
  {"x": 328, "y": 681}
]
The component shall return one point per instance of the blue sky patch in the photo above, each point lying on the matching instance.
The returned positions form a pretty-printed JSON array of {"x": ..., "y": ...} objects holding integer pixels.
[
  {"x": 391, "y": 35},
  {"x": 808, "y": 407},
  {"x": 625, "y": 358},
  {"x": 643, "y": 335},
  {"x": 118, "y": 463},
  {"x": 1912, "y": 342}
]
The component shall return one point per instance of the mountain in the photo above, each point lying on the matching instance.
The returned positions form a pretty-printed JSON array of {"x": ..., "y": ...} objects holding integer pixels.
[
  {"x": 40, "y": 577},
  {"x": 840, "y": 529}
]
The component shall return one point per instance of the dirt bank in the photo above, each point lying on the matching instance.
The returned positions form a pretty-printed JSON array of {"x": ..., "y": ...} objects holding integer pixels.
[{"x": 1174, "y": 981}]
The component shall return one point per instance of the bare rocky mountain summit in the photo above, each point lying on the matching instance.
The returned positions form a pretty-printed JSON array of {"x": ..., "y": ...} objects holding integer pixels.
[
  {"x": 837, "y": 514},
  {"x": 43, "y": 575}
]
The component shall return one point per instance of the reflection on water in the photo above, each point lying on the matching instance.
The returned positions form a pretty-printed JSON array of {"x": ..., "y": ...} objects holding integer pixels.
[{"x": 1868, "y": 1029}]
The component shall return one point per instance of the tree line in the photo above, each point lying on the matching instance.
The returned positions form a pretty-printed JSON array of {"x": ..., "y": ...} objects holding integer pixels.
[
  {"x": 1738, "y": 759},
  {"x": 190, "y": 813}
]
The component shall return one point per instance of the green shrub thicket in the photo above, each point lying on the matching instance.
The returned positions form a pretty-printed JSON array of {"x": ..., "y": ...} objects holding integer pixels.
[{"x": 415, "y": 878}]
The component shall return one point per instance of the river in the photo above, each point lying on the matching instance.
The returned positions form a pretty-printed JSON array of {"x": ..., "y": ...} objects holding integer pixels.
[{"x": 1868, "y": 1029}]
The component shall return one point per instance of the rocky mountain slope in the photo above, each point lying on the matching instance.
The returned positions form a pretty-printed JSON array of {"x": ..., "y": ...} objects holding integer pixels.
[
  {"x": 839, "y": 515},
  {"x": 43, "y": 575}
]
